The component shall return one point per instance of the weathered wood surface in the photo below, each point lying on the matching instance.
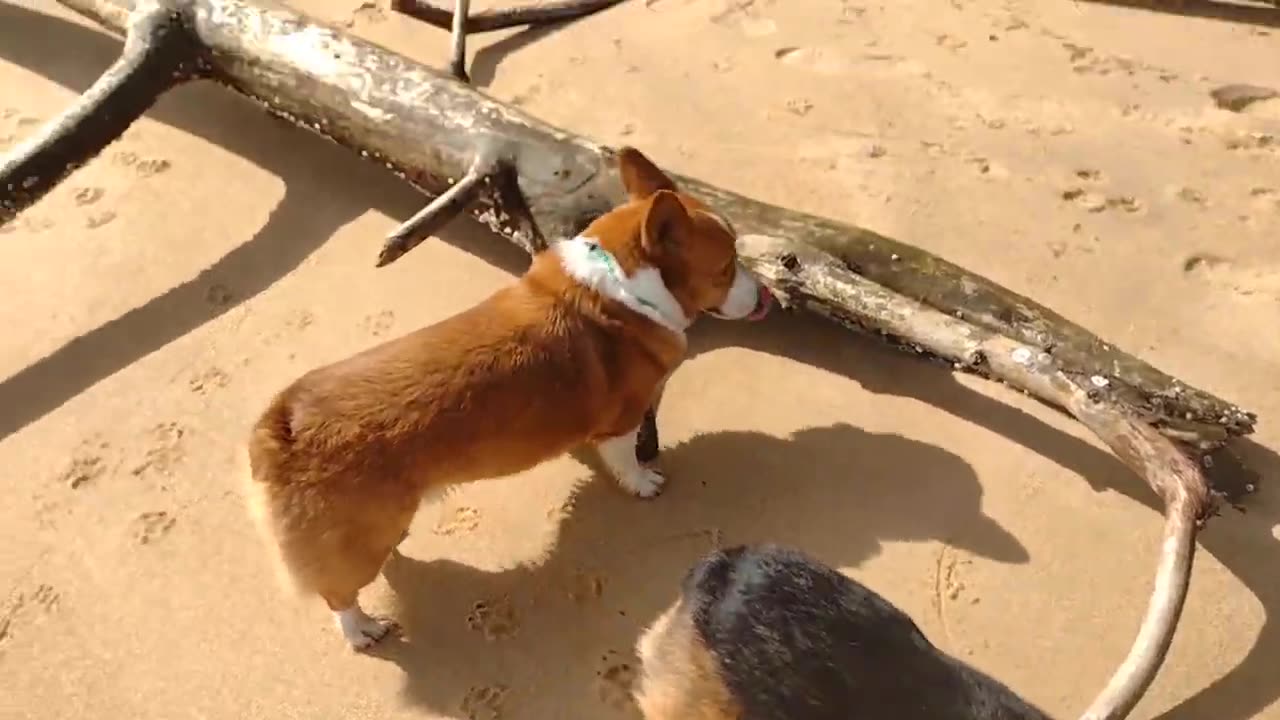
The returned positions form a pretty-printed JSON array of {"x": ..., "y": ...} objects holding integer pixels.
[
  {"x": 433, "y": 131},
  {"x": 428, "y": 128}
]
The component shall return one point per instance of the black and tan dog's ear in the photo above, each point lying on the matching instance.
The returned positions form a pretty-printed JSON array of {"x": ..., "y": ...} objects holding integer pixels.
[
  {"x": 640, "y": 176},
  {"x": 679, "y": 679}
]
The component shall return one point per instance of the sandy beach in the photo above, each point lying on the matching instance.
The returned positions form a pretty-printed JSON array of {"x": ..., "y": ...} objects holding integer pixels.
[{"x": 1070, "y": 151}]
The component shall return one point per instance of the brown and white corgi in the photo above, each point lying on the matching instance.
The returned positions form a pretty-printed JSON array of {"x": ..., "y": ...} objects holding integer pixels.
[{"x": 574, "y": 352}]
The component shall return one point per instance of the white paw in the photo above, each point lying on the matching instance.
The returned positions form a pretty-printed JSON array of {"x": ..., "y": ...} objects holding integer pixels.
[
  {"x": 361, "y": 630},
  {"x": 643, "y": 482}
]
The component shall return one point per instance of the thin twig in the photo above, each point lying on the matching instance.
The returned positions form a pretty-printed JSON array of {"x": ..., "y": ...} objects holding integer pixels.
[
  {"x": 458, "y": 51},
  {"x": 439, "y": 211},
  {"x": 158, "y": 54},
  {"x": 489, "y": 20}
]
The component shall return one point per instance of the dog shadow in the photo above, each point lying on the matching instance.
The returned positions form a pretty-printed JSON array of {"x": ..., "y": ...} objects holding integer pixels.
[
  {"x": 1242, "y": 539},
  {"x": 565, "y": 627}
]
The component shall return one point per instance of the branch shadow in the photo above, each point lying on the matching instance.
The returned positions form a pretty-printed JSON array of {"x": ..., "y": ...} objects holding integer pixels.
[
  {"x": 313, "y": 207},
  {"x": 1242, "y": 542},
  {"x": 1235, "y": 12},
  {"x": 484, "y": 66},
  {"x": 567, "y": 625}
]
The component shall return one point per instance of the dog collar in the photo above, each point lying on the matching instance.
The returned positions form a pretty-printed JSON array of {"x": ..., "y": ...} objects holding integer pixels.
[{"x": 591, "y": 264}]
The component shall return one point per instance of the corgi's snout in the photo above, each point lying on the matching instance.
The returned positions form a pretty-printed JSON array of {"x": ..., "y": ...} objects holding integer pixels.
[{"x": 747, "y": 298}]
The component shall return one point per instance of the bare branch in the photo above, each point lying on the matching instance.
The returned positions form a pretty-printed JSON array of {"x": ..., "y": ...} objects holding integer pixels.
[
  {"x": 434, "y": 216},
  {"x": 158, "y": 53},
  {"x": 458, "y": 47},
  {"x": 542, "y": 13}
]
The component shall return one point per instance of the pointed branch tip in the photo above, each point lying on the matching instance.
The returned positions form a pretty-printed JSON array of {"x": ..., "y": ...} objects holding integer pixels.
[{"x": 436, "y": 214}]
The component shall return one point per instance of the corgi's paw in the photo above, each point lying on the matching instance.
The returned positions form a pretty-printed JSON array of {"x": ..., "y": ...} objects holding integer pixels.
[
  {"x": 361, "y": 630},
  {"x": 643, "y": 482}
]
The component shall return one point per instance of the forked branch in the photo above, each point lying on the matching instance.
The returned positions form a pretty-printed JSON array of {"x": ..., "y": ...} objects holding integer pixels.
[{"x": 159, "y": 53}]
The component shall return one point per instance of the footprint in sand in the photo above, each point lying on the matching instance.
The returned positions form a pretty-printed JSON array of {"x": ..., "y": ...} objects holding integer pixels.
[
  {"x": 152, "y": 166},
  {"x": 819, "y": 60},
  {"x": 798, "y": 106},
  {"x": 495, "y": 619},
  {"x": 28, "y": 222},
  {"x": 88, "y": 463},
  {"x": 462, "y": 520},
  {"x": 149, "y": 527},
  {"x": 367, "y": 13},
  {"x": 218, "y": 294},
  {"x": 743, "y": 15},
  {"x": 42, "y": 600},
  {"x": 615, "y": 678},
  {"x": 1225, "y": 274},
  {"x": 208, "y": 381},
  {"x": 88, "y": 195},
  {"x": 98, "y": 219},
  {"x": 1096, "y": 202},
  {"x": 1189, "y": 195},
  {"x": 585, "y": 587},
  {"x": 380, "y": 324},
  {"x": 166, "y": 451},
  {"x": 484, "y": 702}
]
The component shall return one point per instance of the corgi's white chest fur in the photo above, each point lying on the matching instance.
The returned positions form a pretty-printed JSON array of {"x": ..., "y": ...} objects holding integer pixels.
[{"x": 586, "y": 261}]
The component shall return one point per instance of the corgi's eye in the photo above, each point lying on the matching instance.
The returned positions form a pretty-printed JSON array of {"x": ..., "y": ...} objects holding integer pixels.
[{"x": 727, "y": 271}]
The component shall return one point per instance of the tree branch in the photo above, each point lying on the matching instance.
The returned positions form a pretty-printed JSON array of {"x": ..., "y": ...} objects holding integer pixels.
[
  {"x": 158, "y": 53},
  {"x": 458, "y": 41},
  {"x": 438, "y": 212},
  {"x": 552, "y": 183}
]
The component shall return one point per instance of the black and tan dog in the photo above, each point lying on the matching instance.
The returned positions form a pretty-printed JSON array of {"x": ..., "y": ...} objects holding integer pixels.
[{"x": 766, "y": 633}]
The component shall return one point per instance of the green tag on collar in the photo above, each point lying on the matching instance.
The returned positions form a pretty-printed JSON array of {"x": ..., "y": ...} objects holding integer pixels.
[{"x": 606, "y": 257}]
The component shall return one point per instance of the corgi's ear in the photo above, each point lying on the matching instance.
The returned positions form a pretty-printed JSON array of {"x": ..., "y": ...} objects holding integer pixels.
[
  {"x": 666, "y": 223},
  {"x": 640, "y": 176}
]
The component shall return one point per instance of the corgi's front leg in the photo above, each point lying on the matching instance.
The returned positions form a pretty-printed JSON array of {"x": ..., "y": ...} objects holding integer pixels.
[{"x": 619, "y": 455}]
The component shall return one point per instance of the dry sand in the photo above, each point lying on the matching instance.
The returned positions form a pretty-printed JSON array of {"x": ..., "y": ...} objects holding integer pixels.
[{"x": 1067, "y": 150}]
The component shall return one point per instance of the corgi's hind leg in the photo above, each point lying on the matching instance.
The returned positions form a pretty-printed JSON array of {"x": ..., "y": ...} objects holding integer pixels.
[{"x": 340, "y": 561}]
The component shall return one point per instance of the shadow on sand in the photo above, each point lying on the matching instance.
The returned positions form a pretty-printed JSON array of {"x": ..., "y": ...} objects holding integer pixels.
[
  {"x": 927, "y": 494},
  {"x": 837, "y": 491}
]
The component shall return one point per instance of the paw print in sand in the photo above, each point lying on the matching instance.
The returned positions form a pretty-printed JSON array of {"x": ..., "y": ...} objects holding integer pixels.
[
  {"x": 496, "y": 619},
  {"x": 615, "y": 678},
  {"x": 484, "y": 702}
]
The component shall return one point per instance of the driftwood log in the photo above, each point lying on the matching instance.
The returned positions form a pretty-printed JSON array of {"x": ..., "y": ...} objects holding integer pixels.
[{"x": 534, "y": 183}]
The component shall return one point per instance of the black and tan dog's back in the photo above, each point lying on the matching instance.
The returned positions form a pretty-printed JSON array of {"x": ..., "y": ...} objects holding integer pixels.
[{"x": 765, "y": 633}]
